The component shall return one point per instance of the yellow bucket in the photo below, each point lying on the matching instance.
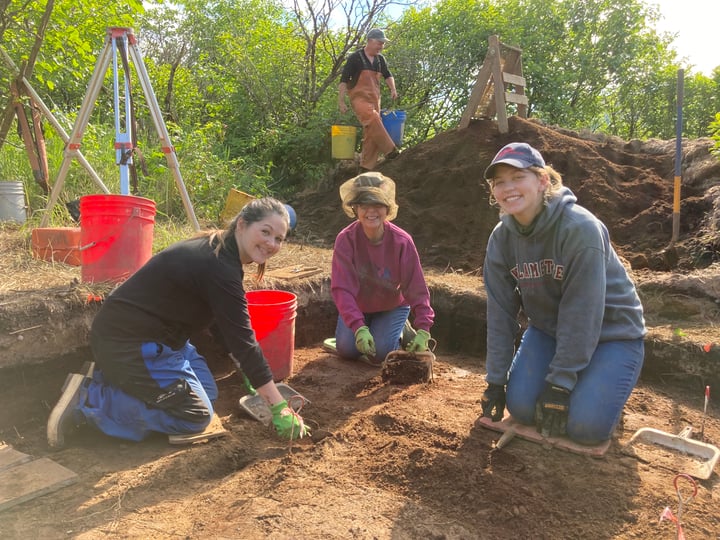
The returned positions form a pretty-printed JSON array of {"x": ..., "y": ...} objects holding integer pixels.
[
  {"x": 343, "y": 141},
  {"x": 235, "y": 201}
]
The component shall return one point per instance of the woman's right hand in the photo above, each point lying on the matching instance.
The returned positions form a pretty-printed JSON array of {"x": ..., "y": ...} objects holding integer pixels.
[
  {"x": 364, "y": 341},
  {"x": 288, "y": 424},
  {"x": 493, "y": 402}
]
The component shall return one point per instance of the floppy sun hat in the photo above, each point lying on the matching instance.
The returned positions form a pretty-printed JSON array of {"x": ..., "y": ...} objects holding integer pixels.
[
  {"x": 369, "y": 188},
  {"x": 520, "y": 155}
]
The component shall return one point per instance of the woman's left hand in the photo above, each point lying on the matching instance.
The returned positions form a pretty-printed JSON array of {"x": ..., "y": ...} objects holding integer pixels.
[
  {"x": 551, "y": 411},
  {"x": 419, "y": 342}
]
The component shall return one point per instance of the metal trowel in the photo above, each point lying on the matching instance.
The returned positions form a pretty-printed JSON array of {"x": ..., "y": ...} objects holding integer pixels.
[{"x": 257, "y": 408}]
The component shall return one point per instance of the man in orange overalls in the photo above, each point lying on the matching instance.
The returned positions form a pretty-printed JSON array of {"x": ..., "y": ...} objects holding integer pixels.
[{"x": 361, "y": 80}]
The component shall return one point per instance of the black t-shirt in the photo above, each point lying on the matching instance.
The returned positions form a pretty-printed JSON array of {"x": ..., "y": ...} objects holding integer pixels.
[
  {"x": 359, "y": 61},
  {"x": 178, "y": 292}
]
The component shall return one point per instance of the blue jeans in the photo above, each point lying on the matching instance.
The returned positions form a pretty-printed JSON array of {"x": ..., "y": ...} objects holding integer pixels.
[
  {"x": 117, "y": 413},
  {"x": 386, "y": 328},
  {"x": 599, "y": 396}
]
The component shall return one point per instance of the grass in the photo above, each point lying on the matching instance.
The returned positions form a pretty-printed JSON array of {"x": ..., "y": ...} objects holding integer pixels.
[{"x": 22, "y": 271}]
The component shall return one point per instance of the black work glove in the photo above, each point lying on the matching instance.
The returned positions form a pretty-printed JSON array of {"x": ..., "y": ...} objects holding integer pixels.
[
  {"x": 551, "y": 411},
  {"x": 493, "y": 399}
]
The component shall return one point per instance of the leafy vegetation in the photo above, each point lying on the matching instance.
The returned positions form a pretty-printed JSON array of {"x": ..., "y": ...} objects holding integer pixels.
[{"x": 248, "y": 88}]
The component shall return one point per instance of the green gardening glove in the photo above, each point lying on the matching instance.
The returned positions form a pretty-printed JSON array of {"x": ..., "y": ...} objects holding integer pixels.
[
  {"x": 364, "y": 341},
  {"x": 288, "y": 424},
  {"x": 419, "y": 342}
]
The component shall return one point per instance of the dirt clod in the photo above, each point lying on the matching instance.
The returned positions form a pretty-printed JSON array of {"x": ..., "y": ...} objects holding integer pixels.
[{"x": 401, "y": 367}]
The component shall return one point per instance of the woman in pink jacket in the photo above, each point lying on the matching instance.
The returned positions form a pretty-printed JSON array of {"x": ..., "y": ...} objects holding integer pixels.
[{"x": 377, "y": 279}]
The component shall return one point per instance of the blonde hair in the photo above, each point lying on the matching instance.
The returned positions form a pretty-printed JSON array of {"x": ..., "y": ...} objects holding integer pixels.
[{"x": 555, "y": 183}]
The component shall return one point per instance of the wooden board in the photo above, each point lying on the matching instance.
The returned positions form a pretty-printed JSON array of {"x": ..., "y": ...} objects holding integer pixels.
[
  {"x": 9, "y": 457},
  {"x": 32, "y": 479},
  {"x": 214, "y": 430},
  {"x": 295, "y": 271},
  {"x": 529, "y": 433}
]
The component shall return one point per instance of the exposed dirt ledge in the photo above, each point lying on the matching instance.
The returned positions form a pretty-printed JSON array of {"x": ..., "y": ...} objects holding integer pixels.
[
  {"x": 36, "y": 326},
  {"x": 39, "y": 326}
]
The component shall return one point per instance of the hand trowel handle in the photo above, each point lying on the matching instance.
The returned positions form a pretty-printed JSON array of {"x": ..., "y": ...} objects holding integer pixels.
[{"x": 248, "y": 385}]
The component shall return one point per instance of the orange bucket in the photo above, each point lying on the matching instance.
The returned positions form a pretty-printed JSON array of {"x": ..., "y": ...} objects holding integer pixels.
[{"x": 57, "y": 244}]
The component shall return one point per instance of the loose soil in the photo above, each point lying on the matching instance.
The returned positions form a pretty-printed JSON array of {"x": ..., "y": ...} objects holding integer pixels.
[{"x": 391, "y": 460}]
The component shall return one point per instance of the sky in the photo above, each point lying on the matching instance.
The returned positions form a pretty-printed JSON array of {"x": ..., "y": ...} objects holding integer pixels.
[{"x": 697, "y": 23}]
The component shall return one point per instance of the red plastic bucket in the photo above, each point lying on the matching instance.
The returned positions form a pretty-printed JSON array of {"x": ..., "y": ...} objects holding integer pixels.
[
  {"x": 116, "y": 236},
  {"x": 272, "y": 316}
]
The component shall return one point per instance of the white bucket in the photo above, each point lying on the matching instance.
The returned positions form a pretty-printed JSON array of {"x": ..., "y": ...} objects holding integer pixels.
[{"x": 12, "y": 202}]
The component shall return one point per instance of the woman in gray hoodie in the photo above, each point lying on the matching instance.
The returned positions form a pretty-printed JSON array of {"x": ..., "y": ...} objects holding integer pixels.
[{"x": 552, "y": 259}]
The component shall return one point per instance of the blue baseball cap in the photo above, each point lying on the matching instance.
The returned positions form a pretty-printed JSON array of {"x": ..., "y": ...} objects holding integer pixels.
[{"x": 520, "y": 155}]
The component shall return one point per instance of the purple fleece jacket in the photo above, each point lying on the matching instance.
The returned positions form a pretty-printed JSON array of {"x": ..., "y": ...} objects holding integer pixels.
[{"x": 370, "y": 278}]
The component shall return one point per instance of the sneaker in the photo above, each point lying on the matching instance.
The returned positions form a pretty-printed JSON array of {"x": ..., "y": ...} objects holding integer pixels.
[
  {"x": 370, "y": 361},
  {"x": 330, "y": 345},
  {"x": 61, "y": 419},
  {"x": 87, "y": 369}
]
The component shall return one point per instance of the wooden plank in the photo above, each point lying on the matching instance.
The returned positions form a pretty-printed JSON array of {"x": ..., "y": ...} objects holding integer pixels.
[
  {"x": 214, "y": 430},
  {"x": 516, "y": 98},
  {"x": 516, "y": 80},
  {"x": 31, "y": 479},
  {"x": 529, "y": 433},
  {"x": 292, "y": 272},
  {"x": 478, "y": 91},
  {"x": 512, "y": 48},
  {"x": 490, "y": 95},
  {"x": 500, "y": 110},
  {"x": 511, "y": 63},
  {"x": 9, "y": 457}
]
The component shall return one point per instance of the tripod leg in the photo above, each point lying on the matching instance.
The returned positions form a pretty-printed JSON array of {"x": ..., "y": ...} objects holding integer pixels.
[
  {"x": 162, "y": 132},
  {"x": 40, "y": 146},
  {"x": 72, "y": 147},
  {"x": 51, "y": 118},
  {"x": 26, "y": 133}
]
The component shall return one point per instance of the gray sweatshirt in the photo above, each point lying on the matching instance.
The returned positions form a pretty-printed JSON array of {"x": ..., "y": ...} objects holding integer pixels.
[{"x": 566, "y": 277}]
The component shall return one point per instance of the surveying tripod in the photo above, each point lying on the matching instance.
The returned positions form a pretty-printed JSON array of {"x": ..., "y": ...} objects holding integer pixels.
[{"x": 120, "y": 40}]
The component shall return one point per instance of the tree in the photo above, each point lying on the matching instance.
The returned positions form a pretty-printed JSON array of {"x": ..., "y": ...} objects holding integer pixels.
[
  {"x": 702, "y": 102},
  {"x": 331, "y": 30},
  {"x": 435, "y": 59}
]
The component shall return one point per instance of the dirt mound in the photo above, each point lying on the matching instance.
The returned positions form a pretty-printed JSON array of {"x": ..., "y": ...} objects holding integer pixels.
[{"x": 629, "y": 185}]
